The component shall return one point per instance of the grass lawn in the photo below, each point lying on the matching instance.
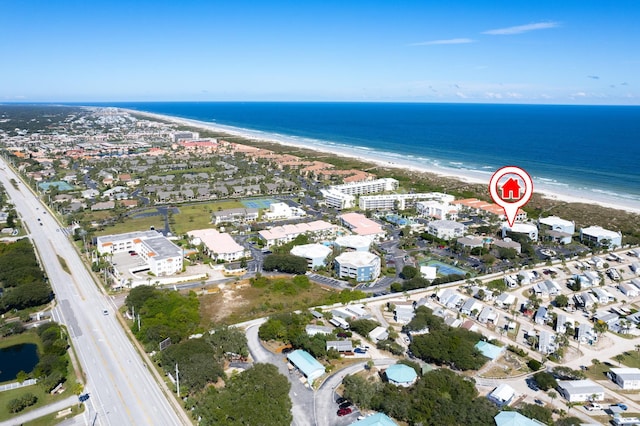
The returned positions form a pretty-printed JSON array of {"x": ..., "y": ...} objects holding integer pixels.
[
  {"x": 44, "y": 398},
  {"x": 198, "y": 216},
  {"x": 52, "y": 419},
  {"x": 130, "y": 225},
  {"x": 242, "y": 303},
  {"x": 599, "y": 371},
  {"x": 26, "y": 337}
]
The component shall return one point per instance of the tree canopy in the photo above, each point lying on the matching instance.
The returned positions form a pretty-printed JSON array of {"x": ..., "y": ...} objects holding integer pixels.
[
  {"x": 443, "y": 344},
  {"x": 258, "y": 396},
  {"x": 285, "y": 263},
  {"x": 440, "y": 397},
  {"x": 21, "y": 278},
  {"x": 163, "y": 314}
]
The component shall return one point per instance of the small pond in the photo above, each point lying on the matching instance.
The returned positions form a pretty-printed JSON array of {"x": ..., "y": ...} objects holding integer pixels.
[{"x": 22, "y": 357}]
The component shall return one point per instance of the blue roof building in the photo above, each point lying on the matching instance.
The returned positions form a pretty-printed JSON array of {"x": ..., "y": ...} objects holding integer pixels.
[
  {"x": 401, "y": 375},
  {"x": 513, "y": 418},
  {"x": 307, "y": 364},
  {"x": 378, "y": 419}
]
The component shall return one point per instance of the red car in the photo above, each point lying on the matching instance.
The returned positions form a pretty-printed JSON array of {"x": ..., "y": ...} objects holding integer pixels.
[{"x": 344, "y": 411}]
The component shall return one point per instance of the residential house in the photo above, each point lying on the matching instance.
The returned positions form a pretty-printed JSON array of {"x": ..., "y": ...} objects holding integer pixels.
[
  {"x": 342, "y": 346},
  {"x": 505, "y": 300},
  {"x": 602, "y": 295},
  {"x": 626, "y": 378},
  {"x": 546, "y": 342},
  {"x": 502, "y": 395},
  {"x": 628, "y": 290},
  {"x": 378, "y": 334},
  {"x": 470, "y": 306},
  {"x": 580, "y": 390},
  {"x": 541, "y": 315},
  {"x": 488, "y": 314}
]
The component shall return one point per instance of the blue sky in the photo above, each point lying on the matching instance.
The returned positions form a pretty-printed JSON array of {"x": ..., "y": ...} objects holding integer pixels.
[{"x": 561, "y": 51}]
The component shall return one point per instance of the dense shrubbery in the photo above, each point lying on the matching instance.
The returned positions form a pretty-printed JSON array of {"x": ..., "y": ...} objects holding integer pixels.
[
  {"x": 363, "y": 326},
  {"x": 545, "y": 380},
  {"x": 51, "y": 370},
  {"x": 285, "y": 263},
  {"x": 444, "y": 345},
  {"x": 18, "y": 404},
  {"x": 440, "y": 397},
  {"x": 163, "y": 314},
  {"x": 257, "y": 396},
  {"x": 21, "y": 277}
]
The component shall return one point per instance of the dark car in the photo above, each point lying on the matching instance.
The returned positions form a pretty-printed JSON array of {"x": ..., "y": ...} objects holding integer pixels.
[
  {"x": 346, "y": 404},
  {"x": 344, "y": 411},
  {"x": 341, "y": 400}
]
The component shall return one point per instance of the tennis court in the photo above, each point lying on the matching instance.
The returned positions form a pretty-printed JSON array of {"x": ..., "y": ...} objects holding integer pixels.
[
  {"x": 258, "y": 203},
  {"x": 444, "y": 269}
]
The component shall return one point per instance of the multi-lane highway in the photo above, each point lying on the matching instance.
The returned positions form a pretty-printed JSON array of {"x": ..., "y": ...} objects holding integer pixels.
[{"x": 121, "y": 386}]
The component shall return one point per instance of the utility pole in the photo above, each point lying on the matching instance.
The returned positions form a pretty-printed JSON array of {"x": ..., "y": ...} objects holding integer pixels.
[
  {"x": 178, "y": 380},
  {"x": 138, "y": 322}
]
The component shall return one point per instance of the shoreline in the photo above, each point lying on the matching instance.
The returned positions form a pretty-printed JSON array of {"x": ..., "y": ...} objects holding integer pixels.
[{"x": 463, "y": 175}]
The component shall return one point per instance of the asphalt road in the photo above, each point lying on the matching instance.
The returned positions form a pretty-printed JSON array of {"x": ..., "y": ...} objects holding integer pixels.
[{"x": 122, "y": 389}]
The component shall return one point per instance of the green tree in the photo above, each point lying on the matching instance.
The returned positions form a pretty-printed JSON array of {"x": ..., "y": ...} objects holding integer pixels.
[
  {"x": 561, "y": 301},
  {"x": 409, "y": 272},
  {"x": 257, "y": 396},
  {"x": 545, "y": 380}
]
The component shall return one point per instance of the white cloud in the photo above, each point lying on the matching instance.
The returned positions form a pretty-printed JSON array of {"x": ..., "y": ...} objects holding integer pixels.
[
  {"x": 461, "y": 95},
  {"x": 579, "y": 95},
  {"x": 447, "y": 41},
  {"x": 519, "y": 29}
]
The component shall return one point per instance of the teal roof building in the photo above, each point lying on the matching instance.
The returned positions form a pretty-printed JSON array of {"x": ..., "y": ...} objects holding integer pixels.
[
  {"x": 307, "y": 364},
  {"x": 401, "y": 375},
  {"x": 513, "y": 418},
  {"x": 378, "y": 419}
]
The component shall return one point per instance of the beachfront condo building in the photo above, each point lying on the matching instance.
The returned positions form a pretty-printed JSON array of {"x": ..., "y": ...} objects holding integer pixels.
[
  {"x": 601, "y": 236},
  {"x": 367, "y": 186},
  {"x": 400, "y": 201},
  {"x": 338, "y": 200}
]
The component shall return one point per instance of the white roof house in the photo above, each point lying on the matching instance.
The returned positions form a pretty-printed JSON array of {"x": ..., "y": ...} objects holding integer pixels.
[
  {"x": 629, "y": 290},
  {"x": 626, "y": 378},
  {"x": 598, "y": 235},
  {"x": 316, "y": 254},
  {"x": 502, "y": 395},
  {"x": 282, "y": 211},
  {"x": 362, "y": 266},
  {"x": 220, "y": 245},
  {"x": 560, "y": 230},
  {"x": 378, "y": 334},
  {"x": 580, "y": 390},
  {"x": 353, "y": 242},
  {"x": 527, "y": 229},
  {"x": 446, "y": 229}
]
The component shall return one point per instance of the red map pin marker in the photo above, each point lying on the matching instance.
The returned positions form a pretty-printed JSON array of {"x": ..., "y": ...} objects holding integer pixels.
[{"x": 511, "y": 188}]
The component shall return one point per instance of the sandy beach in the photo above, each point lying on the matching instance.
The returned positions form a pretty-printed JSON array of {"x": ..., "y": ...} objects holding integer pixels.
[{"x": 548, "y": 189}]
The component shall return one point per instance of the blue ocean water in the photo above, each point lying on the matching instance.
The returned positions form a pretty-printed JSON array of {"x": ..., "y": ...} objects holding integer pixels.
[{"x": 592, "y": 148}]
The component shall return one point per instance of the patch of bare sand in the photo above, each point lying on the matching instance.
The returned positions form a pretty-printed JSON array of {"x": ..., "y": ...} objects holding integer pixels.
[{"x": 223, "y": 303}]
